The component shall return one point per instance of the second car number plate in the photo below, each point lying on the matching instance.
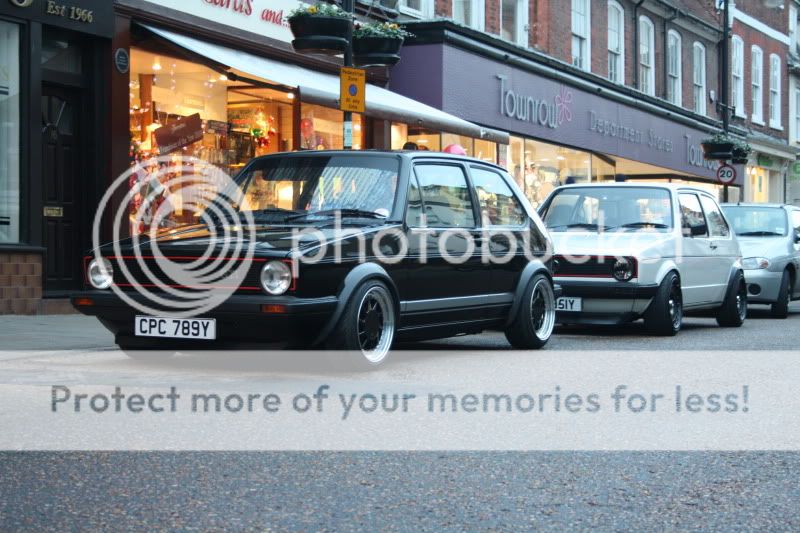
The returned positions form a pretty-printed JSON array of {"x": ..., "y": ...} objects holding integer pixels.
[
  {"x": 569, "y": 304},
  {"x": 176, "y": 328}
]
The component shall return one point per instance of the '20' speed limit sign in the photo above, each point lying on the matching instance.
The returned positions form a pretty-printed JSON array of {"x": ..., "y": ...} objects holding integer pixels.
[{"x": 726, "y": 174}]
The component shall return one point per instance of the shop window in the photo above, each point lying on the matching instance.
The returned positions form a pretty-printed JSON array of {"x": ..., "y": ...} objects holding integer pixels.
[
  {"x": 717, "y": 226},
  {"x": 60, "y": 52},
  {"x": 775, "y": 91},
  {"x": 459, "y": 140},
  {"x": 647, "y": 82},
  {"x": 445, "y": 196},
  {"x": 699, "y": 78},
  {"x": 469, "y": 13},
  {"x": 321, "y": 129},
  {"x": 616, "y": 42},
  {"x": 674, "y": 68},
  {"x": 756, "y": 75},
  {"x": 499, "y": 206},
  {"x": 581, "y": 25},
  {"x": 737, "y": 75},
  {"x": 485, "y": 150},
  {"x": 9, "y": 133}
]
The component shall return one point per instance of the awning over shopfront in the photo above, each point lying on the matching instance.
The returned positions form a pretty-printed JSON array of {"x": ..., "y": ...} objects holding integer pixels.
[{"x": 320, "y": 88}]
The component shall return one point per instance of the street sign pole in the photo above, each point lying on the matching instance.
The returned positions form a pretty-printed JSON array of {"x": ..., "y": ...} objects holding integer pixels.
[
  {"x": 723, "y": 97},
  {"x": 347, "y": 128}
]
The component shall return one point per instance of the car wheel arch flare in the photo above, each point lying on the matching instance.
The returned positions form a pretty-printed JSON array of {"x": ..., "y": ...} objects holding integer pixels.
[
  {"x": 357, "y": 276},
  {"x": 531, "y": 269},
  {"x": 665, "y": 269}
]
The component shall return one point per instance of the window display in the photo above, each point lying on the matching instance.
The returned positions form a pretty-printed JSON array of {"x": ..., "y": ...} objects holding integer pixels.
[{"x": 9, "y": 132}]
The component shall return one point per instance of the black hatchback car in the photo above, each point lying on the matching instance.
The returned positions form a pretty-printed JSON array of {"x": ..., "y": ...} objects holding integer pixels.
[{"x": 351, "y": 251}]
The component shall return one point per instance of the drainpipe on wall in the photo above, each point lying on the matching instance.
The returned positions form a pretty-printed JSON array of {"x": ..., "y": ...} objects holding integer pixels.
[
  {"x": 667, "y": 20},
  {"x": 635, "y": 50}
]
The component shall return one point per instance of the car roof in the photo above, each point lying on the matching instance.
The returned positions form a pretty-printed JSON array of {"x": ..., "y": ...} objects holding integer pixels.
[
  {"x": 671, "y": 186},
  {"x": 755, "y": 204},
  {"x": 405, "y": 154}
]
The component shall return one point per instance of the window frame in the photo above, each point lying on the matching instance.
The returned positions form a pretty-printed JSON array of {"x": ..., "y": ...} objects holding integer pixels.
[
  {"x": 696, "y": 196},
  {"x": 473, "y": 199},
  {"x": 757, "y": 84},
  {"x": 16, "y": 222},
  {"x": 707, "y": 198},
  {"x": 521, "y": 8},
  {"x": 675, "y": 77},
  {"x": 702, "y": 109},
  {"x": 477, "y": 15},
  {"x": 737, "y": 78},
  {"x": 620, "y": 55},
  {"x": 505, "y": 181},
  {"x": 651, "y": 68},
  {"x": 426, "y": 12},
  {"x": 775, "y": 92},
  {"x": 586, "y": 48}
]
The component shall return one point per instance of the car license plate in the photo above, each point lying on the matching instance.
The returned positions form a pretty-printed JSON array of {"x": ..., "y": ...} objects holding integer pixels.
[
  {"x": 568, "y": 304},
  {"x": 176, "y": 328}
]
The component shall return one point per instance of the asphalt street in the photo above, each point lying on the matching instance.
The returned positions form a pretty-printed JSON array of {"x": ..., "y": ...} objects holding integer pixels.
[{"x": 391, "y": 491}]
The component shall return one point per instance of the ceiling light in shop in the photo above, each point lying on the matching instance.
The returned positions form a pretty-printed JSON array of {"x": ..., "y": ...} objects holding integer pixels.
[
  {"x": 223, "y": 77},
  {"x": 560, "y": 157},
  {"x": 290, "y": 96},
  {"x": 156, "y": 64}
]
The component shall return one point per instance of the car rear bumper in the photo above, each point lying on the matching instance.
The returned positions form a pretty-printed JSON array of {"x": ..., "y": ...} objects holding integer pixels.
[
  {"x": 763, "y": 286},
  {"x": 240, "y": 320}
]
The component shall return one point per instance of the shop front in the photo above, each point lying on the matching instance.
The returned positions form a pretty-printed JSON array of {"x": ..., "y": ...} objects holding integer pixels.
[
  {"x": 563, "y": 128},
  {"x": 53, "y": 102}
]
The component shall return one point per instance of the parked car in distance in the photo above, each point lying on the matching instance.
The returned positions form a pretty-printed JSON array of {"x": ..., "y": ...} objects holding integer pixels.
[
  {"x": 419, "y": 209},
  {"x": 625, "y": 251},
  {"x": 769, "y": 236}
]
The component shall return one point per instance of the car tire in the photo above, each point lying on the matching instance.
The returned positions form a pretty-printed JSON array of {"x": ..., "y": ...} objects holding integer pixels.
[
  {"x": 733, "y": 312},
  {"x": 780, "y": 309},
  {"x": 366, "y": 329},
  {"x": 536, "y": 318},
  {"x": 664, "y": 317}
]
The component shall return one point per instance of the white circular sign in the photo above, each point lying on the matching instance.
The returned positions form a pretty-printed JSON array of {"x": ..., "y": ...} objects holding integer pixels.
[{"x": 726, "y": 174}]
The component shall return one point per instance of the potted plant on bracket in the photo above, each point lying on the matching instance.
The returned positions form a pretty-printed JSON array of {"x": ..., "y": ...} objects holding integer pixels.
[
  {"x": 320, "y": 28},
  {"x": 719, "y": 147},
  {"x": 377, "y": 43},
  {"x": 740, "y": 153}
]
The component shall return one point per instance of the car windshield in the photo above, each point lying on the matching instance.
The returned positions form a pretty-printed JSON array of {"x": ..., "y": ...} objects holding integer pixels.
[
  {"x": 757, "y": 221},
  {"x": 297, "y": 187},
  {"x": 598, "y": 208}
]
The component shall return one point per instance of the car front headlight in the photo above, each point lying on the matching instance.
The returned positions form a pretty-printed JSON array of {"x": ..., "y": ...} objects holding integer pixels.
[
  {"x": 624, "y": 268},
  {"x": 755, "y": 263},
  {"x": 100, "y": 273},
  {"x": 276, "y": 277}
]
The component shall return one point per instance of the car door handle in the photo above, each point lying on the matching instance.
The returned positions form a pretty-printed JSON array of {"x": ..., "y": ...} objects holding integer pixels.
[{"x": 712, "y": 245}]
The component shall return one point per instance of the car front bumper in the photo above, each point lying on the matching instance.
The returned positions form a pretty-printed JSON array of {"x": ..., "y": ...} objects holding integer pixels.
[
  {"x": 605, "y": 302},
  {"x": 763, "y": 285},
  {"x": 241, "y": 320}
]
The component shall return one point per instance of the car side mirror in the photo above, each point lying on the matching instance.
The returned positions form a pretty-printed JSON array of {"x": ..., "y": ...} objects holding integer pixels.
[
  {"x": 796, "y": 236},
  {"x": 699, "y": 231}
]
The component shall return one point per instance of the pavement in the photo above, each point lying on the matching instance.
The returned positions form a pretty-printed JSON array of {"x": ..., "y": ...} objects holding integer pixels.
[{"x": 387, "y": 491}]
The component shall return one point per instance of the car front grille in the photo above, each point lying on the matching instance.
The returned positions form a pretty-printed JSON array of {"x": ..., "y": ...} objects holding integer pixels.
[{"x": 583, "y": 266}]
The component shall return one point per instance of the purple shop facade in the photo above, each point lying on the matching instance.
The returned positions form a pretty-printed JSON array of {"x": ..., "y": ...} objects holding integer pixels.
[{"x": 500, "y": 96}]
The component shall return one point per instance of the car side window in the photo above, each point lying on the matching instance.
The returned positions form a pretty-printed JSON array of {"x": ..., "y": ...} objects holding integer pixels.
[
  {"x": 499, "y": 206},
  {"x": 796, "y": 220},
  {"x": 716, "y": 222},
  {"x": 445, "y": 196},
  {"x": 414, "y": 209},
  {"x": 692, "y": 220}
]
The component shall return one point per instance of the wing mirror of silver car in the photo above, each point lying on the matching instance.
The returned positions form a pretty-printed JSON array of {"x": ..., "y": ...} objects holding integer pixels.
[{"x": 797, "y": 236}]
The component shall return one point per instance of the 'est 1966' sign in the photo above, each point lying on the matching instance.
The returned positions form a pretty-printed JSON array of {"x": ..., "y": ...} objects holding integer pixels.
[{"x": 71, "y": 12}]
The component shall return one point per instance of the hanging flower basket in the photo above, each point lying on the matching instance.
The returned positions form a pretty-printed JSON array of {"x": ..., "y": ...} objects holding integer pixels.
[
  {"x": 377, "y": 44},
  {"x": 320, "y": 29},
  {"x": 740, "y": 153},
  {"x": 718, "y": 147}
]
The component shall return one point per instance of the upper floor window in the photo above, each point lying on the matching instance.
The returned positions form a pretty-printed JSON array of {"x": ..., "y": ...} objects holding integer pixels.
[
  {"x": 580, "y": 33},
  {"x": 794, "y": 37},
  {"x": 647, "y": 80},
  {"x": 775, "y": 91},
  {"x": 417, "y": 8},
  {"x": 469, "y": 12},
  {"x": 674, "y": 68},
  {"x": 699, "y": 78},
  {"x": 756, "y": 77},
  {"x": 737, "y": 75},
  {"x": 616, "y": 42},
  {"x": 514, "y": 21},
  {"x": 797, "y": 115}
]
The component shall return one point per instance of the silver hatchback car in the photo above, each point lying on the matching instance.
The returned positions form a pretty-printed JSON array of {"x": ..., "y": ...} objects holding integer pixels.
[{"x": 769, "y": 236}]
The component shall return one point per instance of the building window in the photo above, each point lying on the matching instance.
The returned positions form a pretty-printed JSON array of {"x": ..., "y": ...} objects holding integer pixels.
[
  {"x": 9, "y": 133},
  {"x": 794, "y": 37},
  {"x": 616, "y": 42},
  {"x": 647, "y": 81},
  {"x": 514, "y": 21},
  {"x": 417, "y": 8},
  {"x": 775, "y": 91},
  {"x": 737, "y": 76},
  {"x": 756, "y": 75},
  {"x": 797, "y": 115},
  {"x": 580, "y": 34},
  {"x": 469, "y": 12},
  {"x": 674, "y": 68},
  {"x": 699, "y": 78}
]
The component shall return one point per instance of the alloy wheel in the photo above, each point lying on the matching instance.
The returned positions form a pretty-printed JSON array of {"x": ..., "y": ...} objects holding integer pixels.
[
  {"x": 542, "y": 309},
  {"x": 376, "y": 321}
]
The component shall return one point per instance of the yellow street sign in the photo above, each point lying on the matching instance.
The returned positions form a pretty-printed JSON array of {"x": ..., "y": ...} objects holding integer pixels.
[{"x": 353, "y": 83}]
